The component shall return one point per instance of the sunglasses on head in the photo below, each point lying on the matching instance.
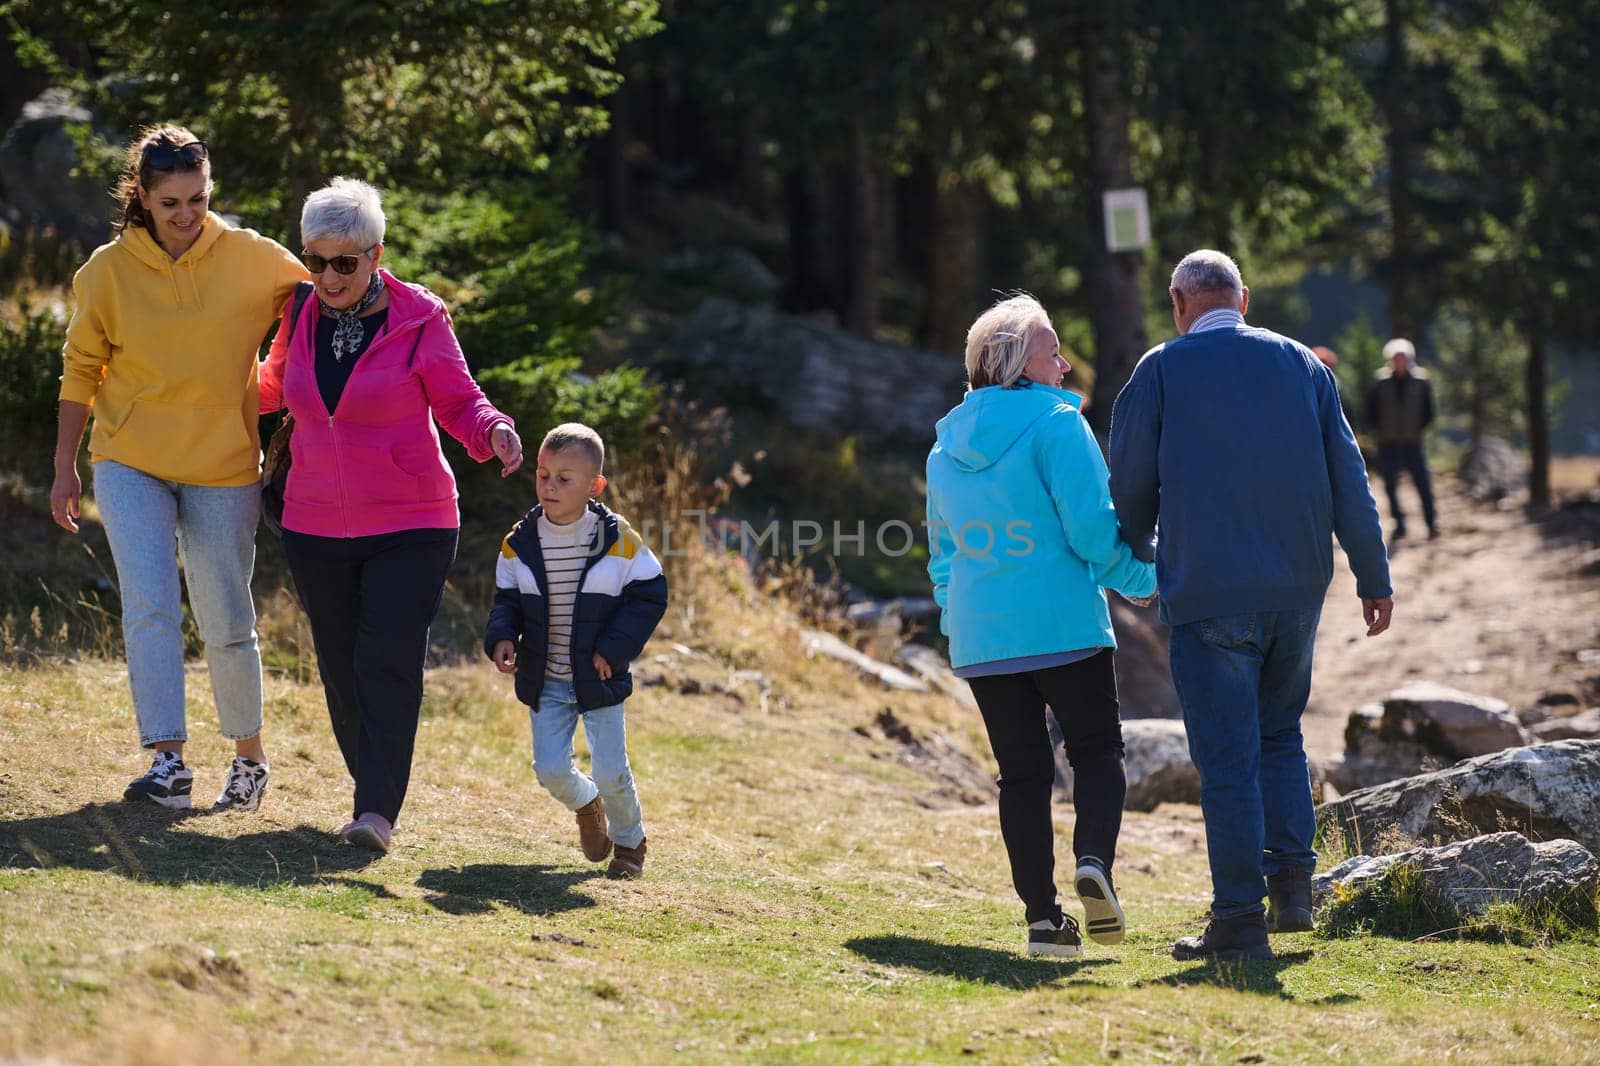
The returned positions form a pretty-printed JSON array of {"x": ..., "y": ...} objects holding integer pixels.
[
  {"x": 168, "y": 157},
  {"x": 342, "y": 264}
]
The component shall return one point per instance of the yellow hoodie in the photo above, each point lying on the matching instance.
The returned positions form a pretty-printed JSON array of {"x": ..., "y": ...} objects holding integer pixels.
[{"x": 165, "y": 350}]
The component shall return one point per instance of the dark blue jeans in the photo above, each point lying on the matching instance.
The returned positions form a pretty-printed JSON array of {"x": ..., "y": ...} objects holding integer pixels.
[
  {"x": 1393, "y": 459},
  {"x": 1243, "y": 681}
]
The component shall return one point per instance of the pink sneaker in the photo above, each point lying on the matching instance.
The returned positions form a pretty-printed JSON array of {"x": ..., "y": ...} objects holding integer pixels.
[{"x": 369, "y": 830}]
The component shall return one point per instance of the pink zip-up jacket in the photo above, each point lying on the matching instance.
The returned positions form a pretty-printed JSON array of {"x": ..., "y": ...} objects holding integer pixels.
[{"x": 373, "y": 464}]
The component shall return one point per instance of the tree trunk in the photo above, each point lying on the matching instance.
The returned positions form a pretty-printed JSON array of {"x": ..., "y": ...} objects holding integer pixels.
[
  {"x": 1116, "y": 288},
  {"x": 1402, "y": 307},
  {"x": 866, "y": 237},
  {"x": 1538, "y": 425},
  {"x": 808, "y": 247},
  {"x": 953, "y": 260}
]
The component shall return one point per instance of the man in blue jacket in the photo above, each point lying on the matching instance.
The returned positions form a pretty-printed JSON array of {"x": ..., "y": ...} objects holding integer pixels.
[{"x": 1231, "y": 437}]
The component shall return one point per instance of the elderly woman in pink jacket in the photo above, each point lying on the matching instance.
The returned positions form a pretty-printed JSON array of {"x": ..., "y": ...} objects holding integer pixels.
[{"x": 370, "y": 521}]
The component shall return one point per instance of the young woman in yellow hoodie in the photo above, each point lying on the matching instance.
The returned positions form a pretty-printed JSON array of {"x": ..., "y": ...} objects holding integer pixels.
[{"x": 162, "y": 346}]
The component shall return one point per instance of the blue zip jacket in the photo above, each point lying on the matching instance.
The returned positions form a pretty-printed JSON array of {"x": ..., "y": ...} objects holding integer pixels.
[
  {"x": 621, "y": 598},
  {"x": 1021, "y": 533},
  {"x": 1234, "y": 439}
]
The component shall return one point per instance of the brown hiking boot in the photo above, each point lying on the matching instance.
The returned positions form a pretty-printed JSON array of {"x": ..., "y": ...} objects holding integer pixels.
[
  {"x": 592, "y": 830},
  {"x": 627, "y": 863}
]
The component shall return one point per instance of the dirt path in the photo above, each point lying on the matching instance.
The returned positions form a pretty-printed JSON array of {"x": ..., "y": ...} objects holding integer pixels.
[{"x": 1493, "y": 606}]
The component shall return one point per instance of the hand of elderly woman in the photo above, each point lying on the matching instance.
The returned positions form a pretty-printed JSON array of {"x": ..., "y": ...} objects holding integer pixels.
[
  {"x": 1142, "y": 601},
  {"x": 507, "y": 447}
]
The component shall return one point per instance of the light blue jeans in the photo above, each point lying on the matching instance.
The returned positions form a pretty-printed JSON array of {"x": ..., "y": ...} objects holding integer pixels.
[
  {"x": 151, "y": 523},
  {"x": 554, "y": 723}
]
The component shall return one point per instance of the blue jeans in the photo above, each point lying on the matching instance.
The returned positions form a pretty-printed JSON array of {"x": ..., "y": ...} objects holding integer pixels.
[
  {"x": 151, "y": 524},
  {"x": 554, "y": 722},
  {"x": 1243, "y": 681}
]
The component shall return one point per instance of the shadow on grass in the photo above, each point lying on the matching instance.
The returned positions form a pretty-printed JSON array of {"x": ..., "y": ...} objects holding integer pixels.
[
  {"x": 969, "y": 963},
  {"x": 1261, "y": 978},
  {"x": 147, "y": 843},
  {"x": 531, "y": 888}
]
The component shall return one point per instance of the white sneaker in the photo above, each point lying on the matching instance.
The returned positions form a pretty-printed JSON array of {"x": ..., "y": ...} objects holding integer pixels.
[
  {"x": 167, "y": 782},
  {"x": 1102, "y": 914},
  {"x": 1048, "y": 940},
  {"x": 247, "y": 783}
]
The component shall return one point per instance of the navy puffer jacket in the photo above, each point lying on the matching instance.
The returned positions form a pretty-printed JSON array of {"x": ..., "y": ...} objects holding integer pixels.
[{"x": 621, "y": 599}]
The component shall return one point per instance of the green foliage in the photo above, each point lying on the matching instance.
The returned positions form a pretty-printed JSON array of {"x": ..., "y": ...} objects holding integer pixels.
[
  {"x": 30, "y": 370},
  {"x": 417, "y": 93},
  {"x": 1480, "y": 372},
  {"x": 540, "y": 393},
  {"x": 1360, "y": 352},
  {"x": 509, "y": 258}
]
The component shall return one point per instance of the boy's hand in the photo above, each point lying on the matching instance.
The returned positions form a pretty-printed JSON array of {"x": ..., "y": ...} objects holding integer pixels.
[
  {"x": 505, "y": 656},
  {"x": 602, "y": 667}
]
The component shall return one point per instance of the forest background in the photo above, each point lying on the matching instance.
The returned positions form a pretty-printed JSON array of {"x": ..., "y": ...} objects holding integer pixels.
[{"x": 577, "y": 178}]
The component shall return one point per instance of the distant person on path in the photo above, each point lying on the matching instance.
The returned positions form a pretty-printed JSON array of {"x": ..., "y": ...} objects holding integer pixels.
[
  {"x": 369, "y": 514},
  {"x": 577, "y": 595},
  {"x": 1023, "y": 544},
  {"x": 162, "y": 345},
  {"x": 1231, "y": 438},
  {"x": 1399, "y": 410}
]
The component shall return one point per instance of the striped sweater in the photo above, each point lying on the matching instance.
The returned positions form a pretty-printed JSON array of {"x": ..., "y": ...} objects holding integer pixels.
[{"x": 565, "y": 549}]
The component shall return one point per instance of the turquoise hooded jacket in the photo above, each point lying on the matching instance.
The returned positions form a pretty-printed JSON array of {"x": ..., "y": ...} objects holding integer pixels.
[{"x": 1022, "y": 536}]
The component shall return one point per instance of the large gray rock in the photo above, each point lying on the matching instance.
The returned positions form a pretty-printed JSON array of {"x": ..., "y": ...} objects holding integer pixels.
[
  {"x": 1547, "y": 791},
  {"x": 38, "y": 160},
  {"x": 1468, "y": 877},
  {"x": 1449, "y": 721},
  {"x": 825, "y": 379},
  {"x": 1157, "y": 763},
  {"x": 1494, "y": 470},
  {"x": 1585, "y": 726}
]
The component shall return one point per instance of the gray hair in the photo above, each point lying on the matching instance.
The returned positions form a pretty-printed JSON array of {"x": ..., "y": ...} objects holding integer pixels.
[
  {"x": 575, "y": 436},
  {"x": 344, "y": 208},
  {"x": 997, "y": 343},
  {"x": 1207, "y": 271}
]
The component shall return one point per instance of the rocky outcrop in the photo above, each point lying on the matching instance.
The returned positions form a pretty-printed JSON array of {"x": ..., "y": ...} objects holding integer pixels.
[
  {"x": 1585, "y": 726},
  {"x": 1494, "y": 470},
  {"x": 1420, "y": 726},
  {"x": 817, "y": 642},
  {"x": 825, "y": 379},
  {"x": 38, "y": 165},
  {"x": 1449, "y": 721},
  {"x": 1547, "y": 792},
  {"x": 1464, "y": 879}
]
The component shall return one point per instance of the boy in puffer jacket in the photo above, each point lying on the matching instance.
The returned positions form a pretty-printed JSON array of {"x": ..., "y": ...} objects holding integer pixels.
[{"x": 577, "y": 594}]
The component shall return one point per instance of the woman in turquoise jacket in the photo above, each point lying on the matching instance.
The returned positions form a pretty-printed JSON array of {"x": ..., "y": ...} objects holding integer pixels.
[{"x": 1023, "y": 544}]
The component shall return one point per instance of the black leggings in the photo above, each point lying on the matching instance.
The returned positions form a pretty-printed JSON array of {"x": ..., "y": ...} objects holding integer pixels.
[
  {"x": 370, "y": 601},
  {"x": 1083, "y": 698}
]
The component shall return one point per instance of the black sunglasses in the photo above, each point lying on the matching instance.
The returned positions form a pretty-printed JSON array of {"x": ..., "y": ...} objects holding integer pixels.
[
  {"x": 167, "y": 157},
  {"x": 342, "y": 264}
]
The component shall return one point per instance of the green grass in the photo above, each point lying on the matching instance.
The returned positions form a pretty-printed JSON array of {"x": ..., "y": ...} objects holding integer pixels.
[{"x": 808, "y": 899}]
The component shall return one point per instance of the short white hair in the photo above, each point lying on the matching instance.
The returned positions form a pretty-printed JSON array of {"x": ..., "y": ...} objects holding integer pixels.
[
  {"x": 1207, "y": 270},
  {"x": 344, "y": 208},
  {"x": 1400, "y": 346},
  {"x": 997, "y": 343}
]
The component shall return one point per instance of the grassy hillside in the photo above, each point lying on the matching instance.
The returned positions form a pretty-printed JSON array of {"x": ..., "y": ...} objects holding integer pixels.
[{"x": 810, "y": 896}]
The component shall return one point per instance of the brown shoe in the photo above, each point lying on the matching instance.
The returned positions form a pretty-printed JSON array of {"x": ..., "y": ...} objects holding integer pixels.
[
  {"x": 628, "y": 863},
  {"x": 592, "y": 830}
]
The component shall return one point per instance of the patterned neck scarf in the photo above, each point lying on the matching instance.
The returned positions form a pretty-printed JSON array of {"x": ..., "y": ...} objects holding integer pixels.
[{"x": 350, "y": 333}]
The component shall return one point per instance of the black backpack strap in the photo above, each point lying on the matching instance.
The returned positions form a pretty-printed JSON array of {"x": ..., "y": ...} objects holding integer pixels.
[
  {"x": 415, "y": 345},
  {"x": 302, "y": 292}
]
